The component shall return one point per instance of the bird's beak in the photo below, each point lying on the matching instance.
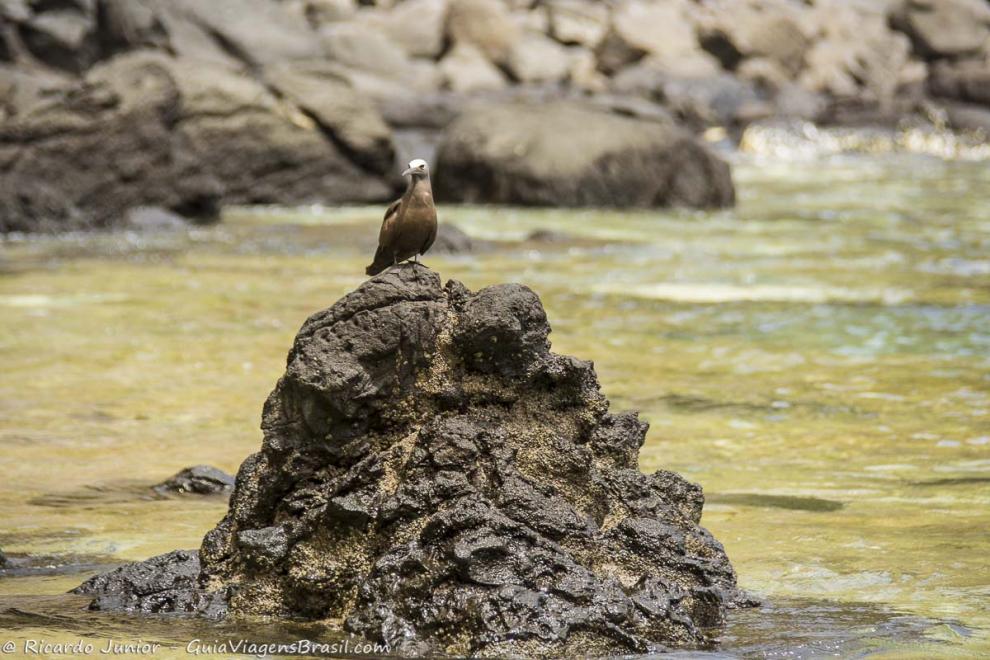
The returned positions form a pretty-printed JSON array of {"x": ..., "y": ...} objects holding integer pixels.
[{"x": 407, "y": 172}]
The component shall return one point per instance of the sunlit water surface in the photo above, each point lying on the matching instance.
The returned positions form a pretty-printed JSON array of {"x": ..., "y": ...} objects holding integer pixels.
[{"x": 817, "y": 358}]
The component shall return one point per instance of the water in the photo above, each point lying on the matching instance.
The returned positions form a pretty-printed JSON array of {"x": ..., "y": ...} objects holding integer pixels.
[{"x": 817, "y": 358}]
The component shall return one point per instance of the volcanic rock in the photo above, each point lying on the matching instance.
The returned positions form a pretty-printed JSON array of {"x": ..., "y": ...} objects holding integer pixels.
[
  {"x": 435, "y": 477},
  {"x": 166, "y": 583},
  {"x": 199, "y": 480}
]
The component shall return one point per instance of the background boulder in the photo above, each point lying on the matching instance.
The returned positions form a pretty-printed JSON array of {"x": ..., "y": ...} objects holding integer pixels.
[
  {"x": 945, "y": 28},
  {"x": 145, "y": 129},
  {"x": 566, "y": 155},
  {"x": 298, "y": 101}
]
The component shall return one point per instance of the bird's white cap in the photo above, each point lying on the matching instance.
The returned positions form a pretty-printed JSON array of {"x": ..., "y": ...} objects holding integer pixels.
[{"x": 417, "y": 168}]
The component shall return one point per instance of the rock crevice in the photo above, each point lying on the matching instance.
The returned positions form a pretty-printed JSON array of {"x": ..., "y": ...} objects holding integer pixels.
[{"x": 436, "y": 477}]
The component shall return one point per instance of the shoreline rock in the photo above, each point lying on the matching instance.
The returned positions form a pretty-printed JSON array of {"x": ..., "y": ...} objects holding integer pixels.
[
  {"x": 299, "y": 101},
  {"x": 567, "y": 155},
  {"x": 435, "y": 477},
  {"x": 198, "y": 480}
]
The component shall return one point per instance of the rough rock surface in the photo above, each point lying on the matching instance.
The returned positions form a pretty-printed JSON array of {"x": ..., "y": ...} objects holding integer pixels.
[
  {"x": 87, "y": 154},
  {"x": 434, "y": 476},
  {"x": 485, "y": 24},
  {"x": 565, "y": 155},
  {"x": 166, "y": 583},
  {"x": 199, "y": 479},
  {"x": 466, "y": 69},
  {"x": 147, "y": 130},
  {"x": 538, "y": 59},
  {"x": 945, "y": 28},
  {"x": 964, "y": 80},
  {"x": 293, "y": 101}
]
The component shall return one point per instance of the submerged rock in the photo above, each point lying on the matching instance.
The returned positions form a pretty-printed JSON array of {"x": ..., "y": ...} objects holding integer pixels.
[
  {"x": 166, "y": 583},
  {"x": 438, "y": 479},
  {"x": 199, "y": 479}
]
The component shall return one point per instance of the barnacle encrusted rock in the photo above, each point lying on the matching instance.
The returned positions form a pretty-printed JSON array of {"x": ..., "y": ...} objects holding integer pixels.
[{"x": 438, "y": 479}]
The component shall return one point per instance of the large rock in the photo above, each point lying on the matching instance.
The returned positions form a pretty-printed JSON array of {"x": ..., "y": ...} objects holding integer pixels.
[
  {"x": 964, "y": 80},
  {"x": 64, "y": 39},
  {"x": 25, "y": 86},
  {"x": 362, "y": 47},
  {"x": 435, "y": 477},
  {"x": 969, "y": 118},
  {"x": 560, "y": 154},
  {"x": 16, "y": 11},
  {"x": 144, "y": 129},
  {"x": 640, "y": 28},
  {"x": 578, "y": 23},
  {"x": 741, "y": 30},
  {"x": 698, "y": 96},
  {"x": 123, "y": 25},
  {"x": 535, "y": 58},
  {"x": 466, "y": 69},
  {"x": 945, "y": 28},
  {"x": 484, "y": 24},
  {"x": 85, "y": 155},
  {"x": 266, "y": 149},
  {"x": 253, "y": 32},
  {"x": 856, "y": 55},
  {"x": 347, "y": 117},
  {"x": 415, "y": 26}
]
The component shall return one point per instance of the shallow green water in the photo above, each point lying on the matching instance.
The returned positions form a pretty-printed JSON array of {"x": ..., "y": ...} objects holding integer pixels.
[{"x": 817, "y": 358}]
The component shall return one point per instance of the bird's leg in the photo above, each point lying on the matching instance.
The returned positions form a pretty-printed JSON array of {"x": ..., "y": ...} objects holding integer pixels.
[{"x": 416, "y": 258}]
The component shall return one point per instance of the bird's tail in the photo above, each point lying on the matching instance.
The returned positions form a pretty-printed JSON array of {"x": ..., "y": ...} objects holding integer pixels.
[{"x": 379, "y": 264}]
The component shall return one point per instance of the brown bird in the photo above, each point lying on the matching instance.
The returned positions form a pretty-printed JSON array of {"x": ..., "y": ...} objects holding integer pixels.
[{"x": 410, "y": 224}]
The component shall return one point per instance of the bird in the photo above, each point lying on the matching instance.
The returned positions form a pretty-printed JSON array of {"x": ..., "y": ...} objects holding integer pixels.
[{"x": 410, "y": 224}]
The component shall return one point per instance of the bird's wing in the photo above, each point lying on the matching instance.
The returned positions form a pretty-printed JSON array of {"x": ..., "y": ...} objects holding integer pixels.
[
  {"x": 428, "y": 243},
  {"x": 390, "y": 215},
  {"x": 382, "y": 258}
]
